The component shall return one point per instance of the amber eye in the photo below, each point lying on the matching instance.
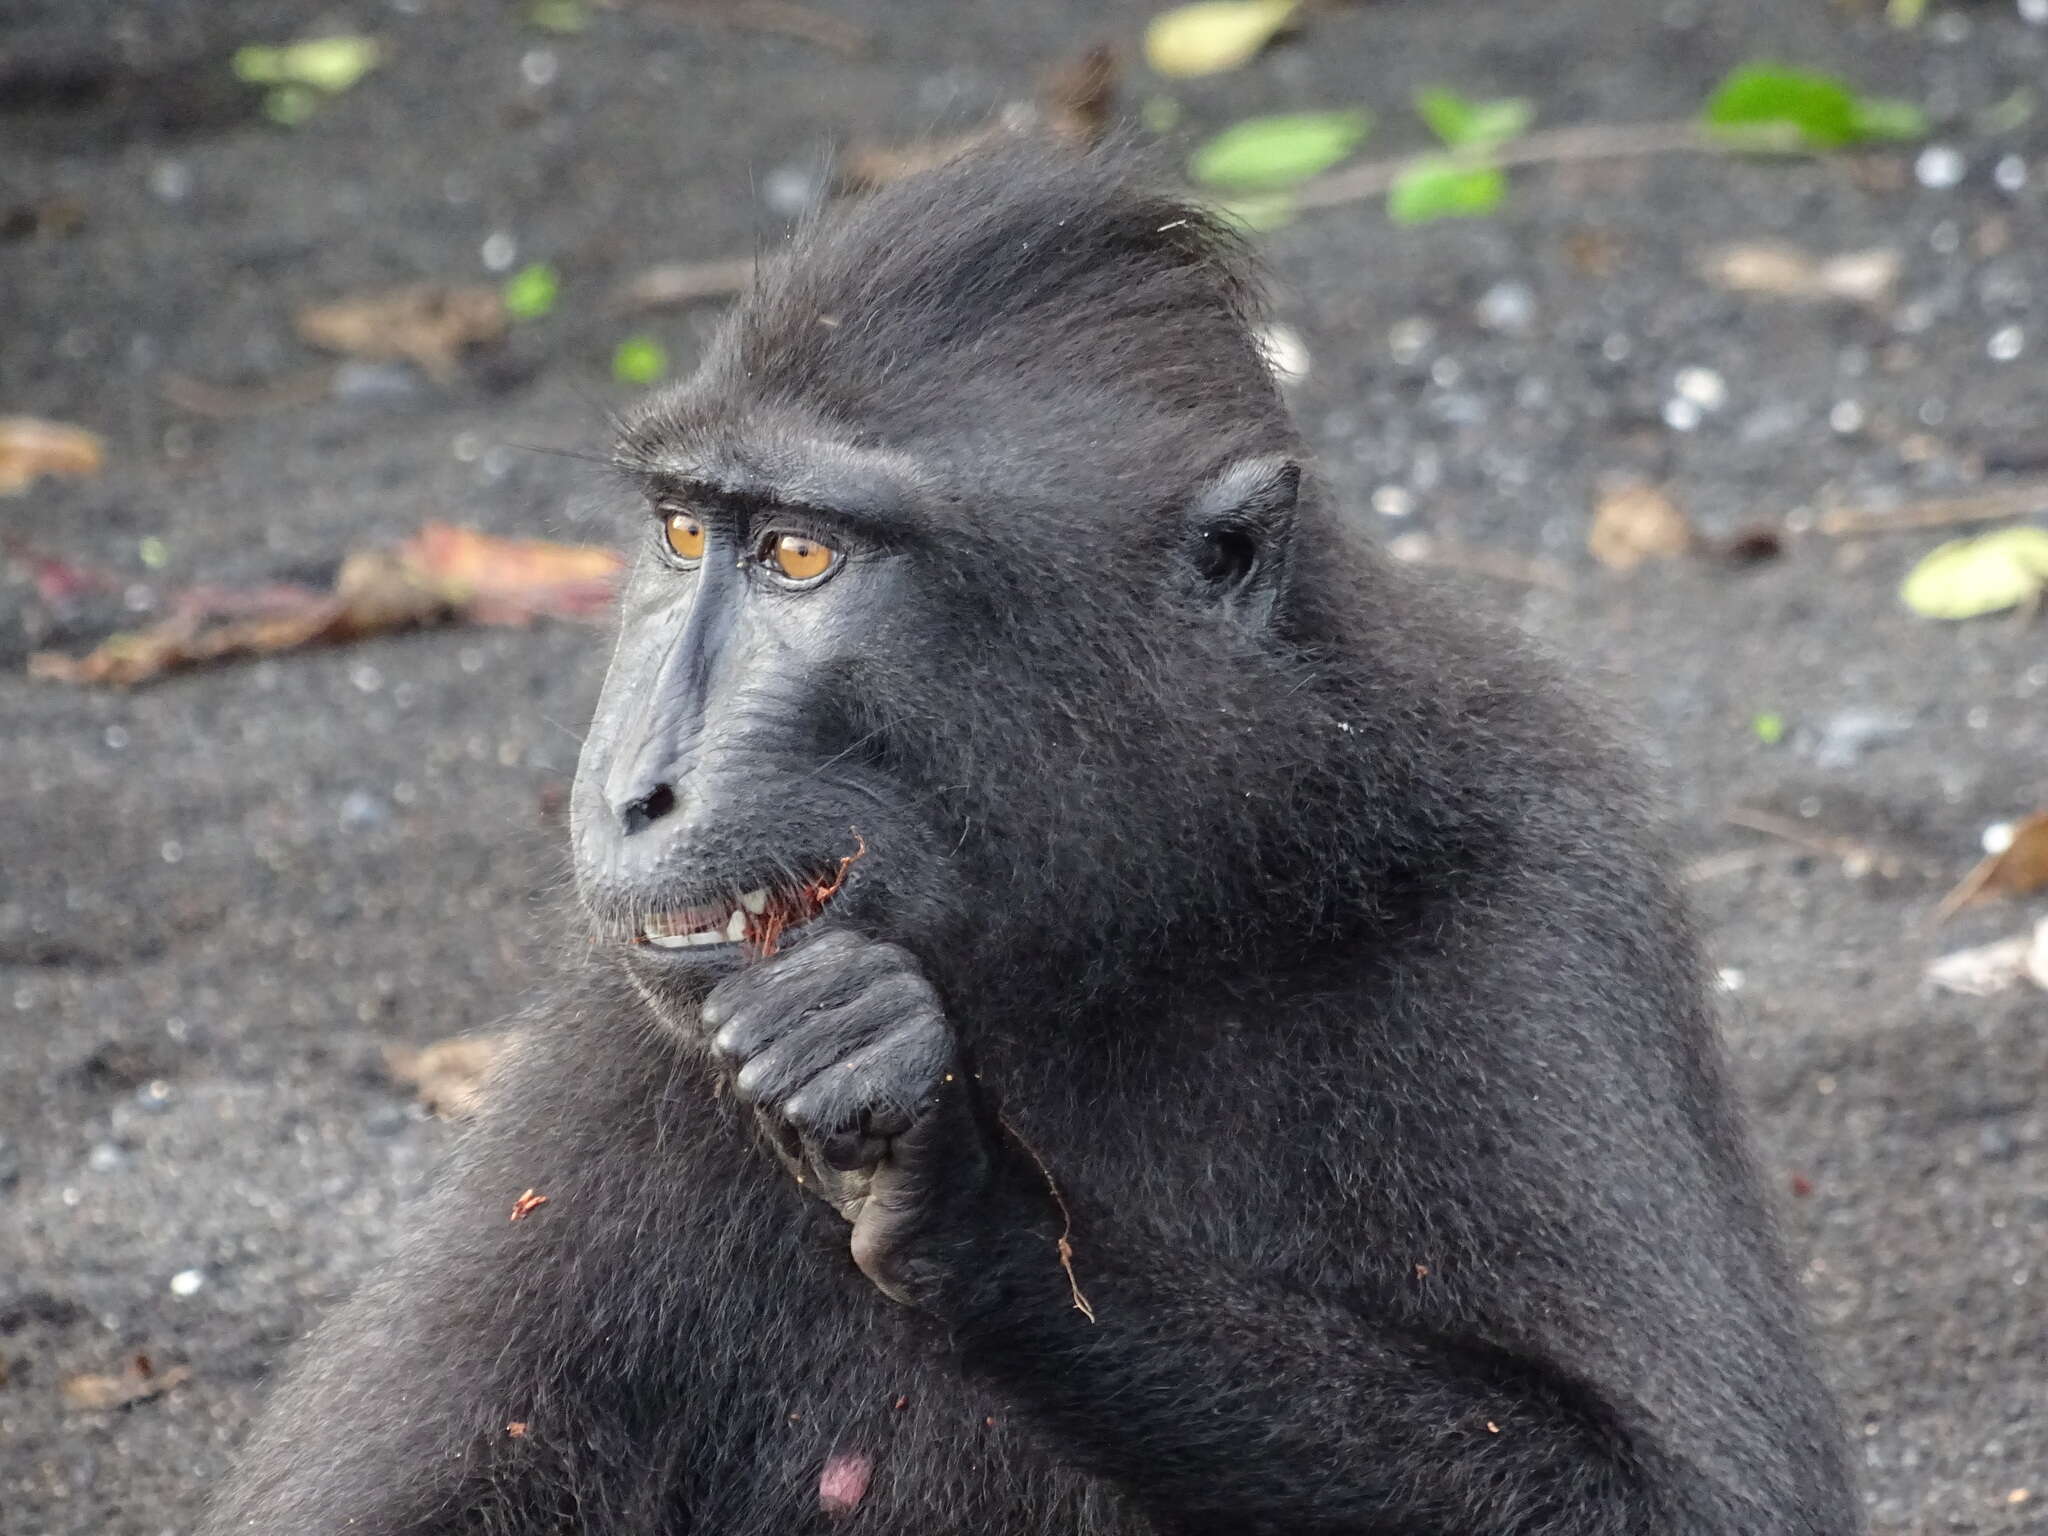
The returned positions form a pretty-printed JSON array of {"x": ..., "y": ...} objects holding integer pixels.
[
  {"x": 685, "y": 536},
  {"x": 796, "y": 557}
]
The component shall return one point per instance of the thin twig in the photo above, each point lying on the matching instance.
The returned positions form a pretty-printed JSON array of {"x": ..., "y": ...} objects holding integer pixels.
[
  {"x": 1938, "y": 512},
  {"x": 1479, "y": 560},
  {"x": 1555, "y": 146},
  {"x": 1066, "y": 1240},
  {"x": 1855, "y": 856},
  {"x": 685, "y": 282}
]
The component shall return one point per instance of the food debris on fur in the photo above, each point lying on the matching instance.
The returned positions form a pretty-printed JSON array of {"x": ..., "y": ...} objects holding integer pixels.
[
  {"x": 527, "y": 1204},
  {"x": 758, "y": 919},
  {"x": 516, "y": 1429}
]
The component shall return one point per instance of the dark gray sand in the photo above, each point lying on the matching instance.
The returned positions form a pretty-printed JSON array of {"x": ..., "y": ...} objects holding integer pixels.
[{"x": 220, "y": 898}]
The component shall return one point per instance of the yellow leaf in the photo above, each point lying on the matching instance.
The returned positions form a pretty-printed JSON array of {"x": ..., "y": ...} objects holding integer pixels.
[
  {"x": 1967, "y": 578},
  {"x": 30, "y": 448},
  {"x": 1215, "y": 35}
]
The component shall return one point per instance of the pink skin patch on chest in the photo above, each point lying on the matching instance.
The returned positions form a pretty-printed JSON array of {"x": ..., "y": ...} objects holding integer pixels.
[{"x": 844, "y": 1483}]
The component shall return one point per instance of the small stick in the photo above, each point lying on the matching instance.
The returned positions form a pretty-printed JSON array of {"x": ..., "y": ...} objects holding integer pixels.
[
  {"x": 1938, "y": 512},
  {"x": 1066, "y": 1238},
  {"x": 1852, "y": 853},
  {"x": 686, "y": 282},
  {"x": 1555, "y": 146}
]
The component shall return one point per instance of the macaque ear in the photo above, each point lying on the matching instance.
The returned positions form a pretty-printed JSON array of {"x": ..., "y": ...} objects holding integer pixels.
[{"x": 1240, "y": 529}]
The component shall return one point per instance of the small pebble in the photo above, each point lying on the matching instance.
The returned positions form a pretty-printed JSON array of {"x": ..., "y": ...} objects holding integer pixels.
[
  {"x": 499, "y": 251},
  {"x": 539, "y": 66},
  {"x": 2010, "y": 173},
  {"x": 1509, "y": 307},
  {"x": 1409, "y": 339},
  {"x": 2006, "y": 343},
  {"x": 1846, "y": 417},
  {"x": 1997, "y": 837},
  {"x": 1393, "y": 501},
  {"x": 186, "y": 1282},
  {"x": 170, "y": 181},
  {"x": 1702, "y": 386},
  {"x": 105, "y": 1158},
  {"x": 1286, "y": 353},
  {"x": 1940, "y": 166},
  {"x": 360, "y": 808},
  {"x": 2034, "y": 11},
  {"x": 1681, "y": 415},
  {"x": 360, "y": 381},
  {"x": 790, "y": 190}
]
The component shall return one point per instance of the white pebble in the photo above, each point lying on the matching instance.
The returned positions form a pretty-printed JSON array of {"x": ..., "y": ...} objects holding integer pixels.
[
  {"x": 2035, "y": 11},
  {"x": 1392, "y": 501},
  {"x": 1729, "y": 979},
  {"x": 1286, "y": 353},
  {"x": 1940, "y": 166},
  {"x": 539, "y": 66},
  {"x": 499, "y": 251},
  {"x": 1846, "y": 417},
  {"x": 2010, "y": 173},
  {"x": 1507, "y": 306},
  {"x": 2006, "y": 343},
  {"x": 170, "y": 181},
  {"x": 1702, "y": 386},
  {"x": 1997, "y": 837},
  {"x": 1681, "y": 415},
  {"x": 186, "y": 1282}
]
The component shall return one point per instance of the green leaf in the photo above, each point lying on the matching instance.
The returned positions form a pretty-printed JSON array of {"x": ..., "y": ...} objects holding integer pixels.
[
  {"x": 1445, "y": 188},
  {"x": 1263, "y": 154},
  {"x": 1465, "y": 124},
  {"x": 1769, "y": 727},
  {"x": 1810, "y": 110},
  {"x": 329, "y": 64},
  {"x": 639, "y": 360},
  {"x": 1967, "y": 578},
  {"x": 1213, "y": 36},
  {"x": 1257, "y": 212},
  {"x": 564, "y": 16},
  {"x": 1905, "y": 13},
  {"x": 531, "y": 291},
  {"x": 1888, "y": 117}
]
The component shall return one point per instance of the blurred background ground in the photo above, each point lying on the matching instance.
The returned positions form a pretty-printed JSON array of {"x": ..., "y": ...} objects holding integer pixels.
[{"x": 222, "y": 896}]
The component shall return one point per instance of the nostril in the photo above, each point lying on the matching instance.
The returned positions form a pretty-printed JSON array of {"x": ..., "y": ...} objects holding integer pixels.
[{"x": 650, "y": 807}]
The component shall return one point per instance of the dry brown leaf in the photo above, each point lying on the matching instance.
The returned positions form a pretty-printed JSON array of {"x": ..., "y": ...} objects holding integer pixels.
[
  {"x": 2020, "y": 869},
  {"x": 1786, "y": 272},
  {"x": 447, "y": 1076},
  {"x": 1635, "y": 522},
  {"x": 442, "y": 573},
  {"x": 424, "y": 323},
  {"x": 138, "y": 1381},
  {"x": 510, "y": 581},
  {"x": 1079, "y": 95},
  {"x": 31, "y": 448}
]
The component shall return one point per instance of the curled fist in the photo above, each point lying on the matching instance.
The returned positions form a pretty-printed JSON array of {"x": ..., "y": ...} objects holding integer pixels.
[{"x": 858, "y": 1079}]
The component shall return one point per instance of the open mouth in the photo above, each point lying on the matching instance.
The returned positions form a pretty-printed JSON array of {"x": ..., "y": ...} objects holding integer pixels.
[{"x": 757, "y": 919}]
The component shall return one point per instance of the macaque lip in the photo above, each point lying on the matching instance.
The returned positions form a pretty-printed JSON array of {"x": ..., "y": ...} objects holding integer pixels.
[{"x": 755, "y": 923}]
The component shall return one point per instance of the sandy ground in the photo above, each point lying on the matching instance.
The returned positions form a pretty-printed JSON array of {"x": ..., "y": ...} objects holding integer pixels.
[{"x": 221, "y": 898}]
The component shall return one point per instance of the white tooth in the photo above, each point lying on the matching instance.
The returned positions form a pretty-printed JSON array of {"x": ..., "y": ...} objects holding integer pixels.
[
  {"x": 737, "y": 928},
  {"x": 756, "y": 902},
  {"x": 688, "y": 940}
]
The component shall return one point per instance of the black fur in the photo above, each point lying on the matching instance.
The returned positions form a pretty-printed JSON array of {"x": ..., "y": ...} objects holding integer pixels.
[{"x": 1310, "y": 941}]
